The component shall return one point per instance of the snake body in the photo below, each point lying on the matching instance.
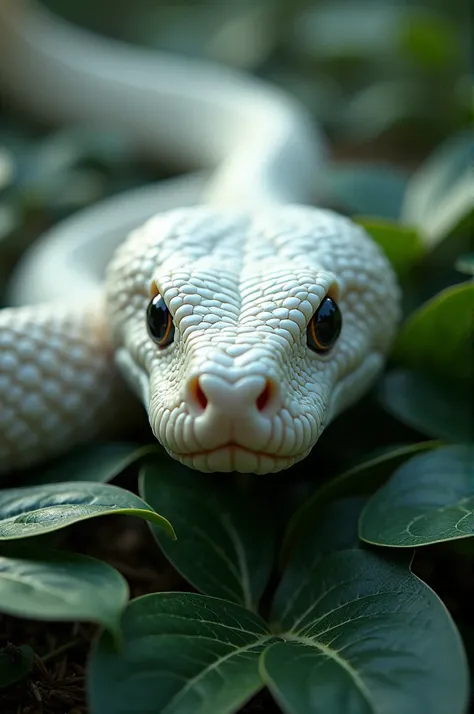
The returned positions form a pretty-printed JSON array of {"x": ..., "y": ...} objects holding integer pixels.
[{"x": 241, "y": 266}]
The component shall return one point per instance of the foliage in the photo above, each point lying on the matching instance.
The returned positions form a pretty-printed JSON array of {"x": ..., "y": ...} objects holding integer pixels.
[
  {"x": 35, "y": 510},
  {"x": 61, "y": 586},
  {"x": 419, "y": 505},
  {"x": 341, "y": 613}
]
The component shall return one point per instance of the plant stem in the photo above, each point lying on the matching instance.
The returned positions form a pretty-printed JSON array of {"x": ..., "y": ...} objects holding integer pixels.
[{"x": 63, "y": 648}]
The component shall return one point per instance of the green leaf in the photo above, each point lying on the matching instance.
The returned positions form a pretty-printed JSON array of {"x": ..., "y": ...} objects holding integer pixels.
[
  {"x": 360, "y": 480},
  {"x": 437, "y": 338},
  {"x": 430, "y": 40},
  {"x": 15, "y": 664},
  {"x": 7, "y": 168},
  {"x": 34, "y": 510},
  {"x": 465, "y": 264},
  {"x": 383, "y": 106},
  {"x": 182, "y": 653},
  {"x": 401, "y": 244},
  {"x": 430, "y": 499},
  {"x": 374, "y": 190},
  {"x": 332, "y": 529},
  {"x": 327, "y": 31},
  {"x": 364, "y": 634},
  {"x": 61, "y": 586},
  {"x": 436, "y": 409},
  {"x": 438, "y": 199},
  {"x": 467, "y": 633},
  {"x": 225, "y": 535},
  {"x": 95, "y": 462}
]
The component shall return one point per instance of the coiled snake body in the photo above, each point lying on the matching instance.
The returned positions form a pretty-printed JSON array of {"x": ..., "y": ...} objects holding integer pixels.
[{"x": 243, "y": 319}]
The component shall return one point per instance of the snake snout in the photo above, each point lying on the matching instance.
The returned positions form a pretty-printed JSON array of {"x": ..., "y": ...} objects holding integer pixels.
[
  {"x": 224, "y": 412},
  {"x": 241, "y": 399}
]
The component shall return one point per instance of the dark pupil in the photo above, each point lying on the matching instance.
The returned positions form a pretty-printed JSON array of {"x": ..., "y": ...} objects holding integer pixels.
[
  {"x": 158, "y": 319},
  {"x": 328, "y": 323}
]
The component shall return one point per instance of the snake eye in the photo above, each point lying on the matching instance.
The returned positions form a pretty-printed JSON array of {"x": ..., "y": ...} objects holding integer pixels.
[
  {"x": 325, "y": 326},
  {"x": 159, "y": 322}
]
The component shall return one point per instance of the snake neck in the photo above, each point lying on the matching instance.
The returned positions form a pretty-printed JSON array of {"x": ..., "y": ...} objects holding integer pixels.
[{"x": 257, "y": 141}]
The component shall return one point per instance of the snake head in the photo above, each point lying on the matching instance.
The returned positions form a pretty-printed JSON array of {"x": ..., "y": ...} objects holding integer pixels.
[{"x": 245, "y": 333}]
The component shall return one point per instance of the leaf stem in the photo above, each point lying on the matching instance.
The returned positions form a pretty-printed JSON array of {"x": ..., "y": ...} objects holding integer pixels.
[{"x": 63, "y": 648}]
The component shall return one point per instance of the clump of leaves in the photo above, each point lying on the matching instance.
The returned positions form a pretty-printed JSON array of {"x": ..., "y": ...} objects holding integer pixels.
[{"x": 342, "y": 621}]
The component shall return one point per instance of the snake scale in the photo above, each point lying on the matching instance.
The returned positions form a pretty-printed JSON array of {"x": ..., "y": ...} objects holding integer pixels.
[{"x": 243, "y": 318}]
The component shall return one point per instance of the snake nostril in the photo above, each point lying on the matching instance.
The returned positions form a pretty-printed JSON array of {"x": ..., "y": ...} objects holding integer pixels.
[
  {"x": 197, "y": 393},
  {"x": 265, "y": 395}
]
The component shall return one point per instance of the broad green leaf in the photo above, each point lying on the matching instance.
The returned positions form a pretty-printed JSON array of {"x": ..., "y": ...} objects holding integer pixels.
[
  {"x": 364, "y": 635},
  {"x": 430, "y": 499},
  {"x": 59, "y": 585},
  {"x": 467, "y": 633},
  {"x": 438, "y": 199},
  {"x": 438, "y": 337},
  {"x": 15, "y": 663},
  {"x": 360, "y": 480},
  {"x": 331, "y": 529},
  {"x": 182, "y": 653},
  {"x": 93, "y": 462},
  {"x": 34, "y": 510},
  {"x": 374, "y": 190},
  {"x": 436, "y": 409},
  {"x": 225, "y": 534},
  {"x": 401, "y": 244}
]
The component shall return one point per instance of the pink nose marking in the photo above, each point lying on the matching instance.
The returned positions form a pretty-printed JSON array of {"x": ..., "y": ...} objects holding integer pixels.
[{"x": 201, "y": 398}]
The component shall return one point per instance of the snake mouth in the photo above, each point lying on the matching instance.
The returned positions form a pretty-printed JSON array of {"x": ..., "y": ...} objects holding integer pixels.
[
  {"x": 235, "y": 457},
  {"x": 230, "y": 445}
]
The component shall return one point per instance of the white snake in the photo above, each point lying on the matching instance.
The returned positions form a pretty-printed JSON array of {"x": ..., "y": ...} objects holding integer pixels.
[{"x": 253, "y": 366}]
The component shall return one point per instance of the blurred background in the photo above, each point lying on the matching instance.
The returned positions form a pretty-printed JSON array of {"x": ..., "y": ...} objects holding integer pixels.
[
  {"x": 388, "y": 81},
  {"x": 370, "y": 71}
]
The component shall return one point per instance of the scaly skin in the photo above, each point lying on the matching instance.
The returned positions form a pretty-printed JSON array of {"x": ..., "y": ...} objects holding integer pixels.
[
  {"x": 57, "y": 381},
  {"x": 241, "y": 288}
]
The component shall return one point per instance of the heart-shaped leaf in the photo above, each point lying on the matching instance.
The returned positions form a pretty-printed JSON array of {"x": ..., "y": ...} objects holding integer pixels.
[
  {"x": 364, "y": 630},
  {"x": 96, "y": 462},
  {"x": 437, "y": 409},
  {"x": 34, "y": 510},
  {"x": 401, "y": 244},
  {"x": 361, "y": 480},
  {"x": 361, "y": 632},
  {"x": 182, "y": 653},
  {"x": 226, "y": 536},
  {"x": 15, "y": 663},
  {"x": 430, "y": 499},
  {"x": 437, "y": 338},
  {"x": 61, "y": 586}
]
